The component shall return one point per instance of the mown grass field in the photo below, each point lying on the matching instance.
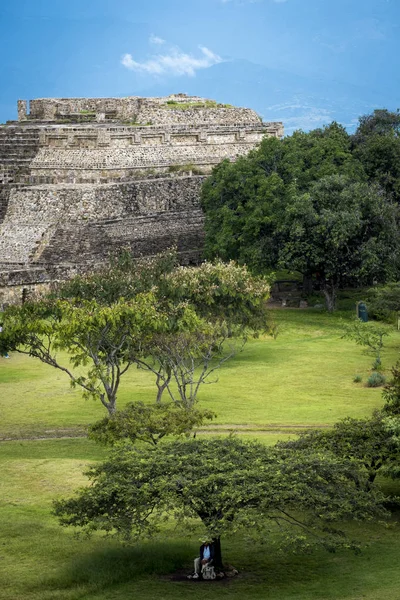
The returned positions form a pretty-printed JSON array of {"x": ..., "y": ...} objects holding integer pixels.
[{"x": 303, "y": 378}]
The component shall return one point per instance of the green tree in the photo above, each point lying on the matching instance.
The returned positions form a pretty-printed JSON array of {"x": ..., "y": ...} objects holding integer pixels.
[
  {"x": 384, "y": 301},
  {"x": 242, "y": 202},
  {"x": 380, "y": 122},
  {"x": 343, "y": 232},
  {"x": 148, "y": 423},
  {"x": 391, "y": 394},
  {"x": 245, "y": 202},
  {"x": 217, "y": 291},
  {"x": 121, "y": 277},
  {"x": 376, "y": 144},
  {"x": 102, "y": 342},
  {"x": 391, "y": 415},
  {"x": 180, "y": 325},
  {"x": 184, "y": 360},
  {"x": 370, "y": 335},
  {"x": 370, "y": 441},
  {"x": 230, "y": 304},
  {"x": 227, "y": 484}
]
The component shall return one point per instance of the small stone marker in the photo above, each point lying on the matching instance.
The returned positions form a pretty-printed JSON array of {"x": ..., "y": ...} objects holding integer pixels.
[{"x": 362, "y": 313}]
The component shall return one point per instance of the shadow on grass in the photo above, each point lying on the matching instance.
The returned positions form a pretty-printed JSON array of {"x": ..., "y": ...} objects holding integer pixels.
[
  {"x": 53, "y": 449},
  {"x": 107, "y": 567}
]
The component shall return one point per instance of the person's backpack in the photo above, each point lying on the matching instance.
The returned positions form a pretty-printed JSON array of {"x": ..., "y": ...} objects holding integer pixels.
[{"x": 208, "y": 572}]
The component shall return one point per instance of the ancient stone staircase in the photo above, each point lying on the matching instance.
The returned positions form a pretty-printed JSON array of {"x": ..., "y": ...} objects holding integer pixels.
[
  {"x": 18, "y": 146},
  {"x": 144, "y": 234}
]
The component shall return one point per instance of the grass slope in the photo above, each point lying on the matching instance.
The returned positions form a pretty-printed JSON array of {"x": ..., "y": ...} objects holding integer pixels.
[
  {"x": 302, "y": 378},
  {"x": 40, "y": 560}
]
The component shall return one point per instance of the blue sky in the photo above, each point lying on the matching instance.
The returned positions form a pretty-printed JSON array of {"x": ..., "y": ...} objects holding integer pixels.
[{"x": 305, "y": 62}]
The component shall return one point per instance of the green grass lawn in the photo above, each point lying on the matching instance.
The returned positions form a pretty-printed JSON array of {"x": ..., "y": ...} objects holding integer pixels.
[
  {"x": 303, "y": 378},
  {"x": 40, "y": 560}
]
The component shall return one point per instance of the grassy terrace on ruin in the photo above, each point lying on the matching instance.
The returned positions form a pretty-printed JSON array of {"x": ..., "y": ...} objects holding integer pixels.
[{"x": 174, "y": 105}]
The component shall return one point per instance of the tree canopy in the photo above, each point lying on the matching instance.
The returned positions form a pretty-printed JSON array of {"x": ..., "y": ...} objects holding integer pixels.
[
  {"x": 309, "y": 203},
  {"x": 245, "y": 201},
  {"x": 384, "y": 300},
  {"x": 369, "y": 441},
  {"x": 376, "y": 144},
  {"x": 102, "y": 341},
  {"x": 227, "y": 484},
  {"x": 148, "y": 423},
  {"x": 342, "y": 232}
]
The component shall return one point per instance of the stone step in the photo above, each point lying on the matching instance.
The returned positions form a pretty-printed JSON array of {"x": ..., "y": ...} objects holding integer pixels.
[
  {"x": 12, "y": 160},
  {"x": 18, "y": 139}
]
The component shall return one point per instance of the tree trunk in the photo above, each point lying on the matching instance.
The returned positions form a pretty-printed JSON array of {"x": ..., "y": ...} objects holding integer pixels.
[
  {"x": 112, "y": 405},
  {"x": 307, "y": 284},
  {"x": 330, "y": 296},
  {"x": 161, "y": 387},
  {"x": 217, "y": 553}
]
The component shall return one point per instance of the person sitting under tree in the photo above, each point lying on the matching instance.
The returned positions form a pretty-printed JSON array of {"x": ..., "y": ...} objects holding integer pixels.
[{"x": 205, "y": 559}]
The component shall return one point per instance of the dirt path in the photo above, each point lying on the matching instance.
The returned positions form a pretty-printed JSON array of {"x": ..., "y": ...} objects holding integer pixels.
[{"x": 263, "y": 429}]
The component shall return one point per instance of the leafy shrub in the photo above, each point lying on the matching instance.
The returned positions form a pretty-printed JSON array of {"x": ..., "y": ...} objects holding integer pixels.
[
  {"x": 357, "y": 379},
  {"x": 376, "y": 380},
  {"x": 189, "y": 168}
]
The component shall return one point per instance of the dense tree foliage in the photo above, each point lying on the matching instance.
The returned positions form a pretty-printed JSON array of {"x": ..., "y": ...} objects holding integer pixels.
[
  {"x": 376, "y": 144},
  {"x": 122, "y": 277},
  {"x": 308, "y": 203},
  {"x": 368, "y": 441},
  {"x": 246, "y": 200},
  {"x": 391, "y": 415},
  {"x": 384, "y": 300},
  {"x": 149, "y": 423},
  {"x": 227, "y": 484},
  {"x": 391, "y": 394},
  {"x": 341, "y": 232}
]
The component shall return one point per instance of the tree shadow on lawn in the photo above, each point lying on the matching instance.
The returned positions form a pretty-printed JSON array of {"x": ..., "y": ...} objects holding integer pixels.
[
  {"x": 294, "y": 576},
  {"x": 309, "y": 318},
  {"x": 116, "y": 564}
]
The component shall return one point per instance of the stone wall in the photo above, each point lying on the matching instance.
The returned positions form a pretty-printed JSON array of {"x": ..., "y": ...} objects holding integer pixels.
[
  {"x": 51, "y": 160},
  {"x": 41, "y": 221},
  {"x": 16, "y": 294},
  {"x": 170, "y": 110},
  {"x": 51, "y": 109},
  {"x": 101, "y": 154},
  {"x": 142, "y": 235}
]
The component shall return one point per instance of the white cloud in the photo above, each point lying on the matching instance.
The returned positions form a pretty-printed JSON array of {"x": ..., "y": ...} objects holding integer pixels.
[
  {"x": 157, "y": 41},
  {"x": 251, "y": 1},
  {"x": 173, "y": 62}
]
